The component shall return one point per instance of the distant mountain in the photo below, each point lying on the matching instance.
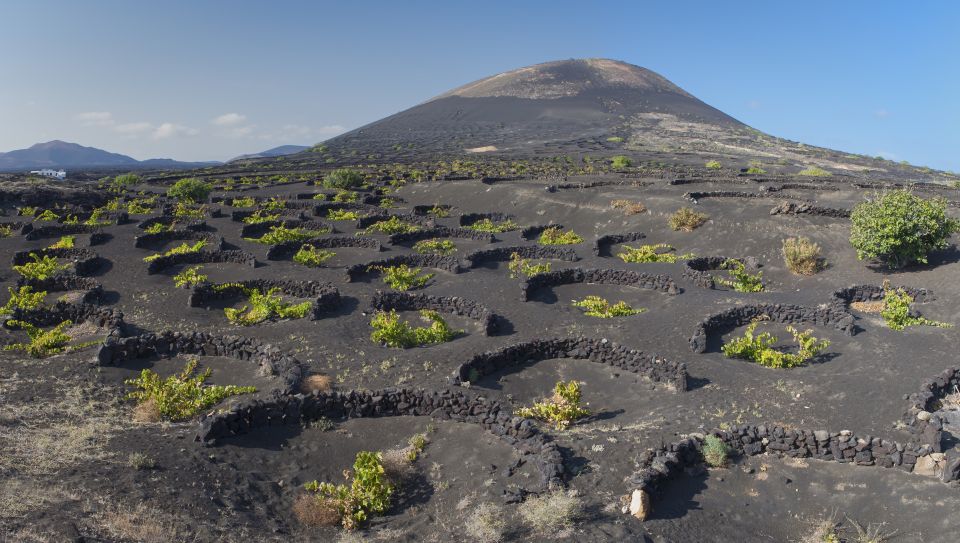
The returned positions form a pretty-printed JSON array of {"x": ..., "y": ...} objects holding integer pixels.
[
  {"x": 276, "y": 151},
  {"x": 61, "y": 154}
]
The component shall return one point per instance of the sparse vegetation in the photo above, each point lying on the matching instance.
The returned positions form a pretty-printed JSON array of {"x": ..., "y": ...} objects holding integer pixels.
[
  {"x": 715, "y": 452},
  {"x": 687, "y": 220},
  {"x": 896, "y": 311},
  {"x": 403, "y": 277},
  {"x": 802, "y": 256},
  {"x": 551, "y": 513},
  {"x": 265, "y": 305},
  {"x": 660, "y": 252},
  {"x": 182, "y": 395},
  {"x": 42, "y": 267},
  {"x": 189, "y": 277},
  {"x": 393, "y": 225},
  {"x": 390, "y": 330},
  {"x": 368, "y": 493},
  {"x": 555, "y": 235},
  {"x": 311, "y": 256},
  {"x": 281, "y": 234},
  {"x": 181, "y": 249},
  {"x": 599, "y": 307},
  {"x": 739, "y": 280},
  {"x": 435, "y": 247},
  {"x": 44, "y": 343},
  {"x": 521, "y": 267},
  {"x": 756, "y": 168},
  {"x": 260, "y": 216},
  {"x": 487, "y": 225},
  {"x": 758, "y": 348},
  {"x": 486, "y": 523},
  {"x": 342, "y": 215},
  {"x": 560, "y": 410},
  {"x": 190, "y": 190}
]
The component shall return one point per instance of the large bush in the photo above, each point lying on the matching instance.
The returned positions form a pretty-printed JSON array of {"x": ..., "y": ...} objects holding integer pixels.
[
  {"x": 343, "y": 178},
  {"x": 898, "y": 228},
  {"x": 190, "y": 189}
]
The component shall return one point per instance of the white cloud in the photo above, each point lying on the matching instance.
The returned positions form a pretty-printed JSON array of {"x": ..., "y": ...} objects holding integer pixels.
[
  {"x": 229, "y": 119},
  {"x": 95, "y": 118},
  {"x": 133, "y": 128},
  {"x": 169, "y": 130}
]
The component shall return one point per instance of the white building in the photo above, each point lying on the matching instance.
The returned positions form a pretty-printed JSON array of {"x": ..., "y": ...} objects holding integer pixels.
[{"x": 55, "y": 174}]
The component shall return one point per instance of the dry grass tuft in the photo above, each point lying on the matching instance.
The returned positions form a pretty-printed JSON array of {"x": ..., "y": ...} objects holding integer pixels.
[
  {"x": 551, "y": 513},
  {"x": 397, "y": 465},
  {"x": 628, "y": 207},
  {"x": 142, "y": 523},
  {"x": 146, "y": 412},
  {"x": 802, "y": 256},
  {"x": 316, "y": 381},
  {"x": 312, "y": 511},
  {"x": 687, "y": 220},
  {"x": 486, "y": 523},
  {"x": 867, "y": 307}
]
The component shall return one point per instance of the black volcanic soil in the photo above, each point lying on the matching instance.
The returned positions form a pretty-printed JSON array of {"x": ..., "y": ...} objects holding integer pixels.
[{"x": 66, "y": 434}]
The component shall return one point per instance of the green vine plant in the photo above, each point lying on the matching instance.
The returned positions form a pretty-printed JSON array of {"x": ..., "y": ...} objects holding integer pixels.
[
  {"x": 346, "y": 197},
  {"x": 367, "y": 491},
  {"x": 281, "y": 234},
  {"x": 439, "y": 212},
  {"x": 260, "y": 216},
  {"x": 487, "y": 225},
  {"x": 265, "y": 305},
  {"x": 139, "y": 207},
  {"x": 758, "y": 348},
  {"x": 5, "y": 231},
  {"x": 555, "y": 235},
  {"x": 243, "y": 202},
  {"x": 521, "y": 267},
  {"x": 23, "y": 298},
  {"x": 65, "y": 242},
  {"x": 183, "y": 209},
  {"x": 182, "y": 249},
  {"x": 189, "y": 277},
  {"x": 342, "y": 215},
  {"x": 561, "y": 410},
  {"x": 435, "y": 247},
  {"x": 393, "y": 225},
  {"x": 42, "y": 267},
  {"x": 740, "y": 280},
  {"x": 403, "y": 277},
  {"x": 896, "y": 310},
  {"x": 599, "y": 307},
  {"x": 390, "y": 330},
  {"x": 47, "y": 216},
  {"x": 311, "y": 256},
  {"x": 159, "y": 227},
  {"x": 44, "y": 343},
  {"x": 660, "y": 252},
  {"x": 97, "y": 218},
  {"x": 181, "y": 396}
]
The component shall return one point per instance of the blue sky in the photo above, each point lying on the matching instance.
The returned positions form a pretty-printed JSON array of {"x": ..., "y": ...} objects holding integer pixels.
[{"x": 210, "y": 80}]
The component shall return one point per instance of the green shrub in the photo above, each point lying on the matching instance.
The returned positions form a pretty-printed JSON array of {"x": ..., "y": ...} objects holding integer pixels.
[
  {"x": 715, "y": 452},
  {"x": 186, "y": 210},
  {"x": 403, "y": 277},
  {"x": 387, "y": 203},
  {"x": 346, "y": 196},
  {"x": 687, "y": 220},
  {"x": 487, "y": 225},
  {"x": 561, "y": 409},
  {"x": 182, "y": 249},
  {"x": 138, "y": 207},
  {"x": 311, "y": 256},
  {"x": 438, "y": 212},
  {"x": 183, "y": 395},
  {"x": 47, "y": 216},
  {"x": 41, "y": 268},
  {"x": 660, "y": 252},
  {"x": 243, "y": 202},
  {"x": 814, "y": 171},
  {"x": 27, "y": 211},
  {"x": 23, "y": 298},
  {"x": 5, "y": 231},
  {"x": 44, "y": 343},
  {"x": 714, "y": 165},
  {"x": 122, "y": 182},
  {"x": 264, "y": 305},
  {"x": 435, "y": 246},
  {"x": 391, "y": 331},
  {"x": 739, "y": 280},
  {"x": 190, "y": 190},
  {"x": 157, "y": 227},
  {"x": 896, "y": 311},
  {"x": 599, "y": 307},
  {"x": 802, "y": 256},
  {"x": 521, "y": 267},
  {"x": 65, "y": 242},
  {"x": 343, "y": 178},
  {"x": 756, "y": 167},
  {"x": 189, "y": 277},
  {"x": 342, "y": 215},
  {"x": 759, "y": 348},
  {"x": 274, "y": 204},
  {"x": 393, "y": 225},
  {"x": 555, "y": 235},
  {"x": 368, "y": 492},
  {"x": 898, "y": 228},
  {"x": 320, "y": 196},
  {"x": 260, "y": 216},
  {"x": 620, "y": 162},
  {"x": 281, "y": 234}
]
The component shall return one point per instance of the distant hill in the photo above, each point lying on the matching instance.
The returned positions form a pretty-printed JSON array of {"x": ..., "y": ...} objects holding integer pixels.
[
  {"x": 276, "y": 151},
  {"x": 62, "y": 154}
]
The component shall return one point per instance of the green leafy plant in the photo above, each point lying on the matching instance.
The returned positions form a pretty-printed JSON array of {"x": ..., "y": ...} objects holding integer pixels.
[
  {"x": 387, "y": 203},
  {"x": 391, "y": 331},
  {"x": 47, "y": 216},
  {"x": 561, "y": 409},
  {"x": 274, "y": 204},
  {"x": 27, "y": 211},
  {"x": 319, "y": 196},
  {"x": 898, "y": 228},
  {"x": 190, "y": 190},
  {"x": 342, "y": 215},
  {"x": 123, "y": 182},
  {"x": 599, "y": 307},
  {"x": 186, "y": 210},
  {"x": 42, "y": 267},
  {"x": 65, "y": 242},
  {"x": 715, "y": 452},
  {"x": 97, "y": 218},
  {"x": 243, "y": 202},
  {"x": 802, "y": 256},
  {"x": 264, "y": 305},
  {"x": 189, "y": 277},
  {"x": 260, "y": 216},
  {"x": 814, "y": 171},
  {"x": 403, "y": 277},
  {"x": 435, "y": 246},
  {"x": 311, "y": 256},
  {"x": 343, "y": 178},
  {"x": 756, "y": 168},
  {"x": 487, "y": 225},
  {"x": 759, "y": 348},
  {"x": 5, "y": 231},
  {"x": 346, "y": 196},
  {"x": 44, "y": 343},
  {"x": 139, "y": 207},
  {"x": 687, "y": 220},
  {"x": 438, "y": 212},
  {"x": 739, "y": 280},
  {"x": 182, "y": 249},
  {"x": 615, "y": 139},
  {"x": 660, "y": 252},
  {"x": 555, "y": 235},
  {"x": 183, "y": 395},
  {"x": 22, "y": 298},
  {"x": 158, "y": 227},
  {"x": 367, "y": 493},
  {"x": 393, "y": 225},
  {"x": 620, "y": 162},
  {"x": 713, "y": 165},
  {"x": 896, "y": 311},
  {"x": 281, "y": 234}
]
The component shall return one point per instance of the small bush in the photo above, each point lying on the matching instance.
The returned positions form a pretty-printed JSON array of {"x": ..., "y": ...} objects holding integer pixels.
[
  {"x": 759, "y": 348},
  {"x": 687, "y": 220},
  {"x": 521, "y": 267},
  {"x": 5, "y": 231},
  {"x": 714, "y": 165},
  {"x": 438, "y": 212},
  {"x": 343, "y": 178},
  {"x": 122, "y": 182},
  {"x": 65, "y": 242},
  {"x": 157, "y": 227},
  {"x": 311, "y": 256},
  {"x": 22, "y": 298},
  {"x": 319, "y": 196},
  {"x": 390, "y": 330},
  {"x": 393, "y": 225},
  {"x": 487, "y": 225},
  {"x": 183, "y": 395},
  {"x": 715, "y": 452},
  {"x": 814, "y": 171},
  {"x": 896, "y": 311},
  {"x": 342, "y": 215},
  {"x": 47, "y": 216},
  {"x": 756, "y": 167},
  {"x": 265, "y": 305},
  {"x": 182, "y": 249},
  {"x": 41, "y": 268},
  {"x": 802, "y": 256},
  {"x": 43, "y": 343},
  {"x": 551, "y": 513},
  {"x": 435, "y": 247},
  {"x": 138, "y": 207},
  {"x": 898, "y": 228},
  {"x": 403, "y": 277},
  {"x": 368, "y": 492},
  {"x": 346, "y": 196},
  {"x": 620, "y": 162},
  {"x": 189, "y": 277},
  {"x": 140, "y": 461},
  {"x": 615, "y": 139},
  {"x": 281, "y": 234},
  {"x": 311, "y": 510},
  {"x": 628, "y": 207},
  {"x": 561, "y": 409},
  {"x": 243, "y": 202},
  {"x": 486, "y": 523},
  {"x": 556, "y": 236},
  {"x": 739, "y": 280},
  {"x": 660, "y": 252},
  {"x": 190, "y": 190},
  {"x": 599, "y": 307},
  {"x": 185, "y": 210},
  {"x": 260, "y": 216}
]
